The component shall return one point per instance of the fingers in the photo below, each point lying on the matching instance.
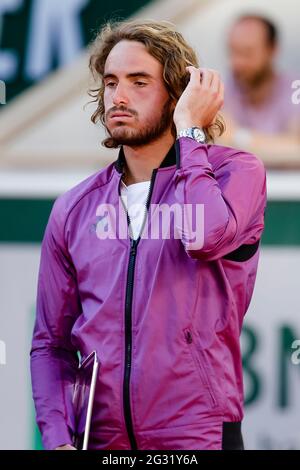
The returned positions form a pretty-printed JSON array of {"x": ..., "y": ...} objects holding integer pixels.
[
  {"x": 208, "y": 79},
  {"x": 195, "y": 75},
  {"x": 217, "y": 88},
  {"x": 215, "y": 82}
]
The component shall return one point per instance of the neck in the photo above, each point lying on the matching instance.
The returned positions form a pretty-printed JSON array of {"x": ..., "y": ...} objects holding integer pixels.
[{"x": 142, "y": 160}]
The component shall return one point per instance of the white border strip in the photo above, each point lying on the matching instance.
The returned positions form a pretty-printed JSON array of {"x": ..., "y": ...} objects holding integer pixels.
[
  {"x": 283, "y": 185},
  {"x": 50, "y": 184},
  {"x": 40, "y": 185}
]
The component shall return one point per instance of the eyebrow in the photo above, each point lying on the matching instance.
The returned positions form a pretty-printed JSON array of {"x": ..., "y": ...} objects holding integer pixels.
[{"x": 129, "y": 75}]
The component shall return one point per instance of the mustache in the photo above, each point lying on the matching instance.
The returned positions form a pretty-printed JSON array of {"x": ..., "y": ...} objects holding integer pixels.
[{"x": 122, "y": 109}]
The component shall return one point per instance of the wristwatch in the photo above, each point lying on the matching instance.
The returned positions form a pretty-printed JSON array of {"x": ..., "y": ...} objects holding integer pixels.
[{"x": 195, "y": 133}]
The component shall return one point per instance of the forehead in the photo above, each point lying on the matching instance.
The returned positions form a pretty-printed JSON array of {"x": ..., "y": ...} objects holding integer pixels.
[
  {"x": 249, "y": 31},
  {"x": 131, "y": 56}
]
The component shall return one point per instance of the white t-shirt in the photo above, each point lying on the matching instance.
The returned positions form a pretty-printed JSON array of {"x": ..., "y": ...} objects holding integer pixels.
[{"x": 134, "y": 198}]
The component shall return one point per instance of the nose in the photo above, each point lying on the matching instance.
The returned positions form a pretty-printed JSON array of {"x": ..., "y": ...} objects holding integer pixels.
[{"x": 119, "y": 96}]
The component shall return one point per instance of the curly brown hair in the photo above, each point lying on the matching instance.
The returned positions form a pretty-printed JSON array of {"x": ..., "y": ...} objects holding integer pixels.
[{"x": 165, "y": 44}]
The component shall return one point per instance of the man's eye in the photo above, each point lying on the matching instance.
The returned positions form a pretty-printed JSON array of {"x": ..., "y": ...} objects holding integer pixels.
[
  {"x": 110, "y": 84},
  {"x": 140, "y": 83}
]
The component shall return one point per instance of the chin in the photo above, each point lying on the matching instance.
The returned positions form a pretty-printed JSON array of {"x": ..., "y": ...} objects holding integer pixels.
[
  {"x": 245, "y": 78},
  {"x": 122, "y": 131},
  {"x": 121, "y": 135}
]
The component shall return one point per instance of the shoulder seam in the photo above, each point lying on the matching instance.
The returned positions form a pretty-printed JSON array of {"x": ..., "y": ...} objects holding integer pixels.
[{"x": 78, "y": 201}]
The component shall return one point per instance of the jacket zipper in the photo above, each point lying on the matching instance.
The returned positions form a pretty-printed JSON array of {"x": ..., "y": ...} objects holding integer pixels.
[{"x": 128, "y": 321}]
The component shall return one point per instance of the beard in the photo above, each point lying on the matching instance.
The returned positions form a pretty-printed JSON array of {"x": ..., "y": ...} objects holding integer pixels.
[
  {"x": 150, "y": 132},
  {"x": 256, "y": 79}
]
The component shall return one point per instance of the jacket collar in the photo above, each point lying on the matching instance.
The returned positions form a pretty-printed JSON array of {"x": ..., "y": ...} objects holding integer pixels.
[{"x": 169, "y": 160}]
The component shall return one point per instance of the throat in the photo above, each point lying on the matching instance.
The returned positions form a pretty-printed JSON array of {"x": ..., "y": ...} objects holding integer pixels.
[{"x": 130, "y": 177}]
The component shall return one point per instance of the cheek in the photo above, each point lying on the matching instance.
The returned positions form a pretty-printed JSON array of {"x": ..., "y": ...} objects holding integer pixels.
[
  {"x": 263, "y": 59},
  {"x": 106, "y": 100},
  {"x": 147, "y": 112},
  {"x": 256, "y": 59},
  {"x": 154, "y": 102}
]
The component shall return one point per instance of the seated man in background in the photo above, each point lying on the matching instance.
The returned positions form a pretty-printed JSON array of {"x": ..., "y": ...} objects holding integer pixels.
[{"x": 259, "y": 111}]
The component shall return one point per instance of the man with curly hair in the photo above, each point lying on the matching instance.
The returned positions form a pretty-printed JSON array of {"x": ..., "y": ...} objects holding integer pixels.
[{"x": 163, "y": 311}]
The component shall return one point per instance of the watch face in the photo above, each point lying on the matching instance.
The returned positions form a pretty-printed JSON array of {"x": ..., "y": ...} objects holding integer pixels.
[{"x": 199, "y": 134}]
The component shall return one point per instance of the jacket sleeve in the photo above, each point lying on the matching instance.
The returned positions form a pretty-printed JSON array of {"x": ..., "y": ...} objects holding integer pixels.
[
  {"x": 53, "y": 358},
  {"x": 232, "y": 198}
]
